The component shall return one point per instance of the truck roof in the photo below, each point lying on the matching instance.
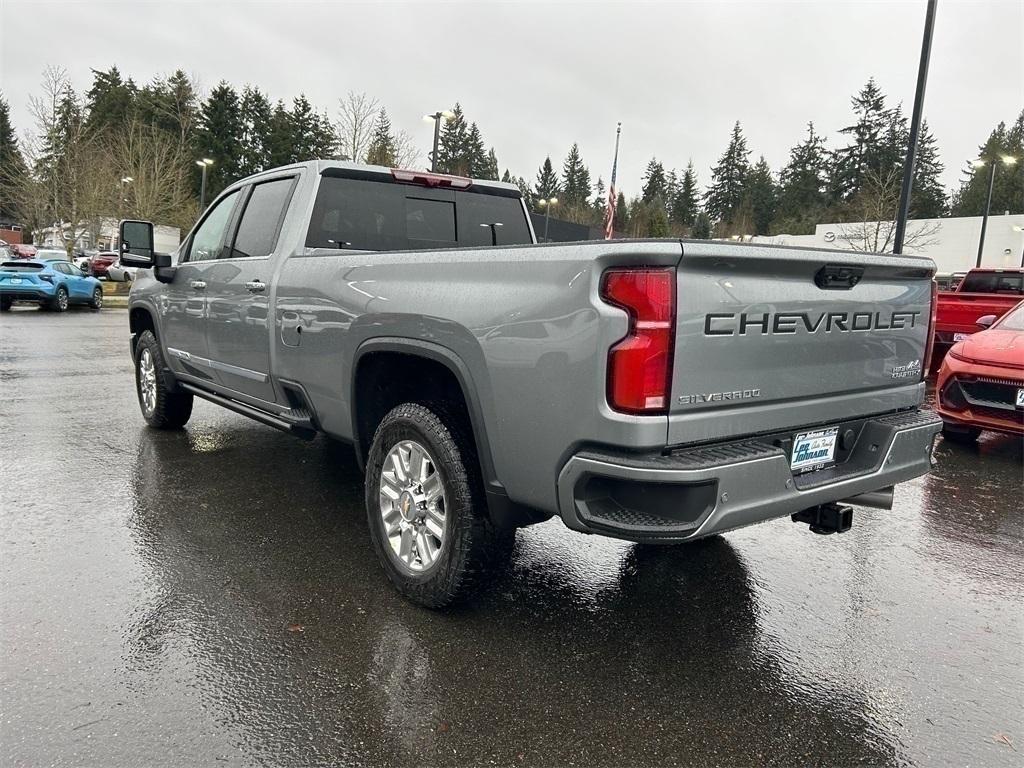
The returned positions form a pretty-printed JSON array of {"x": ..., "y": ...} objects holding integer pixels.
[{"x": 319, "y": 166}]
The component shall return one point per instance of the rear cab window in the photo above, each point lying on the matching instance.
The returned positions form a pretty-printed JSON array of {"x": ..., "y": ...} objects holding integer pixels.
[
  {"x": 1011, "y": 283},
  {"x": 369, "y": 215}
]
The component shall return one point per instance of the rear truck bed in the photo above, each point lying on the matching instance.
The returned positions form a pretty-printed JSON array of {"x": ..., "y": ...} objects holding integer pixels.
[{"x": 793, "y": 380}]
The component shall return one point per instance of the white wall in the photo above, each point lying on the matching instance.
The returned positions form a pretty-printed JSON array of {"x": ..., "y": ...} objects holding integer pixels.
[{"x": 956, "y": 242}]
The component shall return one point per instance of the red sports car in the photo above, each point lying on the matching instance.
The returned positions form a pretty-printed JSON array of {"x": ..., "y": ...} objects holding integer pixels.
[{"x": 981, "y": 382}]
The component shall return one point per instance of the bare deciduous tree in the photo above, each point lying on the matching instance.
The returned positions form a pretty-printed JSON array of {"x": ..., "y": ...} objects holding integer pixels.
[
  {"x": 357, "y": 113},
  {"x": 158, "y": 167},
  {"x": 407, "y": 153},
  {"x": 874, "y": 210}
]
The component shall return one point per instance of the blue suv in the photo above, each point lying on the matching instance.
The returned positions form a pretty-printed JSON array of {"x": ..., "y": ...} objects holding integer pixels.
[{"x": 53, "y": 284}]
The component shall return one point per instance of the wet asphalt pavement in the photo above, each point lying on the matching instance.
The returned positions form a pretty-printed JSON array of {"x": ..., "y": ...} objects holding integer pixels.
[{"x": 210, "y": 597}]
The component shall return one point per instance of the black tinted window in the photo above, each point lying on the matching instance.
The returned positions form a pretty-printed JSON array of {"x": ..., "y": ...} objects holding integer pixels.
[
  {"x": 478, "y": 212},
  {"x": 993, "y": 282},
  {"x": 261, "y": 220},
  {"x": 382, "y": 216}
]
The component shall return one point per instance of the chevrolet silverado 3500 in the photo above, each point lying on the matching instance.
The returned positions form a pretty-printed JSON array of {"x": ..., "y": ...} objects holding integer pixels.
[{"x": 658, "y": 391}]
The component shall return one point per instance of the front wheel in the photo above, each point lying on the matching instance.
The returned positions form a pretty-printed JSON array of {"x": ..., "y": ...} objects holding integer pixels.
[
  {"x": 97, "y": 298},
  {"x": 161, "y": 408},
  {"x": 425, "y": 506}
]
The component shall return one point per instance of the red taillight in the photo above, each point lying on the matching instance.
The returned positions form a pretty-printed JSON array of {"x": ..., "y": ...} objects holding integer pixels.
[
  {"x": 640, "y": 365},
  {"x": 930, "y": 342},
  {"x": 431, "y": 179}
]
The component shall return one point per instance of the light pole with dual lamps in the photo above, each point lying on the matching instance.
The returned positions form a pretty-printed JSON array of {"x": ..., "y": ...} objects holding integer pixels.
[
  {"x": 1008, "y": 160},
  {"x": 443, "y": 115},
  {"x": 204, "y": 164},
  {"x": 547, "y": 204},
  {"x": 124, "y": 180}
]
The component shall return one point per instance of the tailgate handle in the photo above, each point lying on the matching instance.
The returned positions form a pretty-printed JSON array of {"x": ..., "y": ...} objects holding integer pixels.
[{"x": 838, "y": 277}]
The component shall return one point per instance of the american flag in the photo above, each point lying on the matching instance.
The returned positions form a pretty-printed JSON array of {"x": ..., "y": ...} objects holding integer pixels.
[{"x": 609, "y": 218}]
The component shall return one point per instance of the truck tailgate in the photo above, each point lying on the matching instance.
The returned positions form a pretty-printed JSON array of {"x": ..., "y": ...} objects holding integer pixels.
[{"x": 779, "y": 338}]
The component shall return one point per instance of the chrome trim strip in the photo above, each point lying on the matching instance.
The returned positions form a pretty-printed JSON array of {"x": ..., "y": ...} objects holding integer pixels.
[{"x": 206, "y": 362}]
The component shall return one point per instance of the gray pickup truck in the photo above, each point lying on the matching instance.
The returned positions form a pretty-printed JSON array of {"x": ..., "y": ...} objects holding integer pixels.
[{"x": 651, "y": 390}]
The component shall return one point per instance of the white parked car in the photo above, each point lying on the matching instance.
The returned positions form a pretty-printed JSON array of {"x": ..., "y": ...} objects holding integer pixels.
[{"x": 120, "y": 273}]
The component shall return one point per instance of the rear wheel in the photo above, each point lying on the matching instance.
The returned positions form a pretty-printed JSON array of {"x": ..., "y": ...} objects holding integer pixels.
[
  {"x": 958, "y": 434},
  {"x": 161, "y": 408},
  {"x": 5, "y": 304},
  {"x": 97, "y": 298},
  {"x": 60, "y": 299},
  {"x": 425, "y": 507}
]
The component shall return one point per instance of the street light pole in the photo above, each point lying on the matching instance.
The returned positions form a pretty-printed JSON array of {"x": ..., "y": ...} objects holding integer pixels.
[
  {"x": 915, "y": 128},
  {"x": 438, "y": 117},
  {"x": 984, "y": 215},
  {"x": 204, "y": 164},
  {"x": 546, "y": 205},
  {"x": 1007, "y": 160}
]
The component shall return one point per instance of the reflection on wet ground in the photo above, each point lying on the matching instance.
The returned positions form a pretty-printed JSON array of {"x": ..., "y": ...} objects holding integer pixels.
[{"x": 211, "y": 596}]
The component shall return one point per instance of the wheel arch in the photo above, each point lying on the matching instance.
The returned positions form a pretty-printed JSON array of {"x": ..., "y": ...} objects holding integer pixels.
[{"x": 435, "y": 354}]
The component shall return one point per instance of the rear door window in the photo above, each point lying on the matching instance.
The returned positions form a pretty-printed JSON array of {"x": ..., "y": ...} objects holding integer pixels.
[{"x": 261, "y": 220}]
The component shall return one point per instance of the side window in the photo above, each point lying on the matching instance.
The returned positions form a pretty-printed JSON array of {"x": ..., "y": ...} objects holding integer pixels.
[
  {"x": 261, "y": 222},
  {"x": 63, "y": 268},
  {"x": 72, "y": 270},
  {"x": 208, "y": 240}
]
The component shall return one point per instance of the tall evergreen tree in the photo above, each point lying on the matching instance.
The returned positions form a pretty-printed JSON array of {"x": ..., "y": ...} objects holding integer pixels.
[
  {"x": 171, "y": 104},
  {"x": 655, "y": 189},
  {"x": 382, "y": 143},
  {"x": 490, "y": 171},
  {"x": 701, "y": 226},
  {"x": 728, "y": 178},
  {"x": 312, "y": 134},
  {"x": 761, "y": 195},
  {"x": 220, "y": 138},
  {"x": 453, "y": 154},
  {"x": 110, "y": 102},
  {"x": 621, "y": 221},
  {"x": 547, "y": 185},
  {"x": 12, "y": 164},
  {"x": 599, "y": 206},
  {"x": 685, "y": 203},
  {"x": 864, "y": 152},
  {"x": 928, "y": 199},
  {"x": 802, "y": 195},
  {"x": 575, "y": 181},
  {"x": 256, "y": 114},
  {"x": 279, "y": 139},
  {"x": 474, "y": 155},
  {"x": 1008, "y": 189}
]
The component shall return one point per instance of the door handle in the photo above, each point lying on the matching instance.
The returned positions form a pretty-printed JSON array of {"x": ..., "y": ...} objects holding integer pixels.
[
  {"x": 197, "y": 284},
  {"x": 256, "y": 286}
]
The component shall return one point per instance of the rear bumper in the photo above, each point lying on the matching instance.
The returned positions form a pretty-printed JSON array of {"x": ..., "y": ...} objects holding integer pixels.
[
  {"x": 26, "y": 294},
  {"x": 699, "y": 491}
]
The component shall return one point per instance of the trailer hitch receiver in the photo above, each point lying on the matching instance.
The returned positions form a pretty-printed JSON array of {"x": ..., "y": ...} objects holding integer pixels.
[{"x": 826, "y": 518}]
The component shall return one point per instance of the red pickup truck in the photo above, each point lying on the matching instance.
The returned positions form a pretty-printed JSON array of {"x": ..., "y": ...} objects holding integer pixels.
[{"x": 982, "y": 292}]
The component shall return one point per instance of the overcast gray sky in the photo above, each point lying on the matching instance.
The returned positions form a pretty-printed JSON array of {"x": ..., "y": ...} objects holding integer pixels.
[{"x": 538, "y": 76}]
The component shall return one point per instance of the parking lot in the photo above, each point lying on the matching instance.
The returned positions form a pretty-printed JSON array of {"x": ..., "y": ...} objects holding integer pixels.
[{"x": 211, "y": 597}]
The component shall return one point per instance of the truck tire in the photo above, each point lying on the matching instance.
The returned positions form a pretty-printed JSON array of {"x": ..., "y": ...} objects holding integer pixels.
[
  {"x": 962, "y": 435},
  {"x": 161, "y": 408},
  {"x": 5, "y": 304},
  {"x": 426, "y": 508}
]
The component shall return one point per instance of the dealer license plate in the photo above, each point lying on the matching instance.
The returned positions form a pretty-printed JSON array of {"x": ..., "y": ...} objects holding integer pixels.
[
  {"x": 814, "y": 449},
  {"x": 960, "y": 336},
  {"x": 1020, "y": 398},
  {"x": 15, "y": 281}
]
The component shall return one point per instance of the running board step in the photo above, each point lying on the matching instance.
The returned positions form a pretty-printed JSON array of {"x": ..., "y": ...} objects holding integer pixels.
[{"x": 296, "y": 422}]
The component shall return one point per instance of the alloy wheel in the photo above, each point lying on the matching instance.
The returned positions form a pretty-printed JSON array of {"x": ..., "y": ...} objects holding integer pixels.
[
  {"x": 413, "y": 506},
  {"x": 147, "y": 381}
]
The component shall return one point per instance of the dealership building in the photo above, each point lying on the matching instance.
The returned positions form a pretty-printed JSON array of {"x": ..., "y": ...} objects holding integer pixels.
[{"x": 952, "y": 242}]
